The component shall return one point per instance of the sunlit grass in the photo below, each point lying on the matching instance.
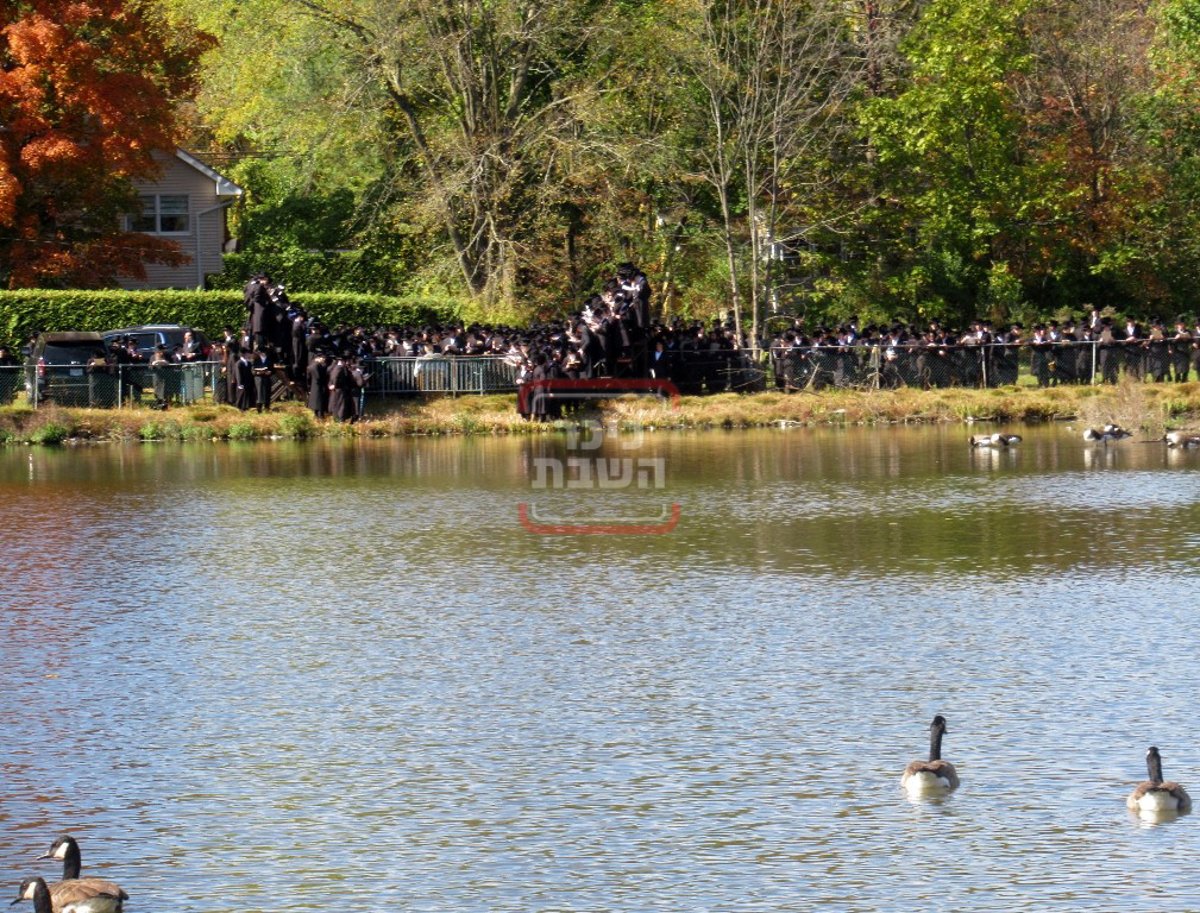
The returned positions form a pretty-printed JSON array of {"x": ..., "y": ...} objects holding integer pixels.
[{"x": 1147, "y": 407}]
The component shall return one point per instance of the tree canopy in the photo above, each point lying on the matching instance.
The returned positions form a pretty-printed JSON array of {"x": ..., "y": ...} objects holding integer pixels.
[
  {"x": 888, "y": 158},
  {"x": 87, "y": 93}
]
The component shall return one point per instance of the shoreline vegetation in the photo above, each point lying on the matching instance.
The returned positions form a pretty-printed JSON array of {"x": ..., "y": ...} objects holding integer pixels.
[{"x": 1151, "y": 409}]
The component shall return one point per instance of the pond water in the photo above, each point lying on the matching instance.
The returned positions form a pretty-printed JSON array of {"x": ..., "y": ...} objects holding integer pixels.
[{"x": 337, "y": 675}]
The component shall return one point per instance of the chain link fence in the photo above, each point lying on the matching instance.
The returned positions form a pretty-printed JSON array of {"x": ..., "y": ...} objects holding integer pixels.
[{"x": 107, "y": 386}]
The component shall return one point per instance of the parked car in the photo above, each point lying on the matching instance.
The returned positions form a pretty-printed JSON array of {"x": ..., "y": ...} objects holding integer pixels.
[
  {"x": 150, "y": 336},
  {"x": 69, "y": 369}
]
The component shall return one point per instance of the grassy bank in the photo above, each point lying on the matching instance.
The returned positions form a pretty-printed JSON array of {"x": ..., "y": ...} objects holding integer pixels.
[{"x": 1148, "y": 408}]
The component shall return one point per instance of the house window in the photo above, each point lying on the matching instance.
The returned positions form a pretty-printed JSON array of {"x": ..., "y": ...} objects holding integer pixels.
[{"x": 161, "y": 214}]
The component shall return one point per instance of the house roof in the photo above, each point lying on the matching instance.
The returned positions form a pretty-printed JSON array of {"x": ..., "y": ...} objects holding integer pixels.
[{"x": 225, "y": 187}]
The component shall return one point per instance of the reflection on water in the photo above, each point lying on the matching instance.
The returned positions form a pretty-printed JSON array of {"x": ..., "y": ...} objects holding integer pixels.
[{"x": 342, "y": 674}]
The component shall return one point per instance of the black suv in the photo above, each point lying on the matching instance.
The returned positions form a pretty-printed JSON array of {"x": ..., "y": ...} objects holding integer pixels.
[
  {"x": 69, "y": 369},
  {"x": 147, "y": 338}
]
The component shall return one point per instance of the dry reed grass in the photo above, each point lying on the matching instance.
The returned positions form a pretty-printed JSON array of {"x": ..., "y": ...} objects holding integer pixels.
[{"x": 1150, "y": 408}]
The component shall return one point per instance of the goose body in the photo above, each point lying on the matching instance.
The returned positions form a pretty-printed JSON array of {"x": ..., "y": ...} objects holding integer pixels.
[
  {"x": 1182, "y": 439},
  {"x": 1157, "y": 796},
  {"x": 1106, "y": 434},
  {"x": 42, "y": 895},
  {"x": 935, "y": 775},
  {"x": 80, "y": 895},
  {"x": 994, "y": 440}
]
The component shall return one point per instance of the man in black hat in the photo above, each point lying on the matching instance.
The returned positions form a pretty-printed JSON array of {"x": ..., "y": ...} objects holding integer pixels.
[
  {"x": 1067, "y": 365},
  {"x": 160, "y": 368},
  {"x": 1158, "y": 352},
  {"x": 260, "y": 306},
  {"x": 1008, "y": 355},
  {"x": 298, "y": 367},
  {"x": 264, "y": 372},
  {"x": 1108, "y": 353},
  {"x": 1181, "y": 350},
  {"x": 243, "y": 381},
  {"x": 1135, "y": 349},
  {"x": 318, "y": 386},
  {"x": 1039, "y": 361}
]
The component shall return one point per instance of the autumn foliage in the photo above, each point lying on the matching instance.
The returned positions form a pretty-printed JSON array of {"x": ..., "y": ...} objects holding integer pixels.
[{"x": 86, "y": 95}]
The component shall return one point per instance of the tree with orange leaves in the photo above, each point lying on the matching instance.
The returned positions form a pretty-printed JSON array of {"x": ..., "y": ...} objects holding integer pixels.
[{"x": 86, "y": 97}]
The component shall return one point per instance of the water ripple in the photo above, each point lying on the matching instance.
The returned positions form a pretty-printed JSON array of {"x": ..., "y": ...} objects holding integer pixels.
[{"x": 343, "y": 675}]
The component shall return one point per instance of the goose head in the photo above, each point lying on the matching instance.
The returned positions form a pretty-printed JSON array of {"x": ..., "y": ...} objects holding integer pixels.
[
  {"x": 66, "y": 850},
  {"x": 1154, "y": 765},
  {"x": 62, "y": 848},
  {"x": 34, "y": 889}
]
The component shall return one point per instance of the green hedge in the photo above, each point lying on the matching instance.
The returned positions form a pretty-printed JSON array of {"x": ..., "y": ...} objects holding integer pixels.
[
  {"x": 350, "y": 271},
  {"x": 25, "y": 311}
]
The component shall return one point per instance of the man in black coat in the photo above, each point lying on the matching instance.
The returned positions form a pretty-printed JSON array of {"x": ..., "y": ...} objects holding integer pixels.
[
  {"x": 258, "y": 302},
  {"x": 341, "y": 391},
  {"x": 318, "y": 386},
  {"x": 263, "y": 372},
  {"x": 1181, "y": 350},
  {"x": 243, "y": 382},
  {"x": 299, "y": 365}
]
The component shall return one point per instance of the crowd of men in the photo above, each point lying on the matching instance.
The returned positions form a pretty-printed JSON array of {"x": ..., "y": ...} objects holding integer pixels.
[
  {"x": 281, "y": 339},
  {"x": 282, "y": 347},
  {"x": 614, "y": 336},
  {"x": 1085, "y": 350},
  {"x": 282, "y": 350}
]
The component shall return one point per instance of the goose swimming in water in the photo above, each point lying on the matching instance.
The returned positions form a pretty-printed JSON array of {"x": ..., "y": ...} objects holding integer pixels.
[
  {"x": 934, "y": 775},
  {"x": 995, "y": 440},
  {"x": 1106, "y": 434},
  {"x": 39, "y": 892},
  {"x": 1181, "y": 439},
  {"x": 1155, "y": 795},
  {"x": 73, "y": 889}
]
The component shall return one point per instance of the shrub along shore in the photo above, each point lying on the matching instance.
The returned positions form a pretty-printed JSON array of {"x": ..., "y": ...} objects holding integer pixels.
[{"x": 1148, "y": 408}]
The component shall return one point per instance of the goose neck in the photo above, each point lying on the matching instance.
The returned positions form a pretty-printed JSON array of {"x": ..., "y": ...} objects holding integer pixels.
[
  {"x": 935, "y": 742},
  {"x": 1154, "y": 767}
]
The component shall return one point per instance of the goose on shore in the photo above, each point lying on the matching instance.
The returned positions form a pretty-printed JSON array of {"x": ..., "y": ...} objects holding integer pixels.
[
  {"x": 1106, "y": 434},
  {"x": 934, "y": 775},
  {"x": 72, "y": 888},
  {"x": 1156, "y": 795},
  {"x": 40, "y": 893},
  {"x": 995, "y": 440}
]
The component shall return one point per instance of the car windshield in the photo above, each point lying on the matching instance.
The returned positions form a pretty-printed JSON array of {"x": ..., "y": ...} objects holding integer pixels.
[{"x": 72, "y": 354}]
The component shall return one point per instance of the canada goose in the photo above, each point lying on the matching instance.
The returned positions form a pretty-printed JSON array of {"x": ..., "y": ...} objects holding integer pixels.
[
  {"x": 1181, "y": 439},
  {"x": 73, "y": 889},
  {"x": 934, "y": 775},
  {"x": 1155, "y": 795},
  {"x": 1106, "y": 434},
  {"x": 994, "y": 440},
  {"x": 39, "y": 892}
]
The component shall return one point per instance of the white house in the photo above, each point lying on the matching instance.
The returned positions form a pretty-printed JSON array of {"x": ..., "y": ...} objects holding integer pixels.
[{"x": 187, "y": 205}]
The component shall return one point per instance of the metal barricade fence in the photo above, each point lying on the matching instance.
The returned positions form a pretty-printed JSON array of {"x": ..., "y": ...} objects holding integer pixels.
[
  {"x": 917, "y": 364},
  {"x": 476, "y": 374},
  {"x": 694, "y": 372},
  {"x": 699, "y": 371}
]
